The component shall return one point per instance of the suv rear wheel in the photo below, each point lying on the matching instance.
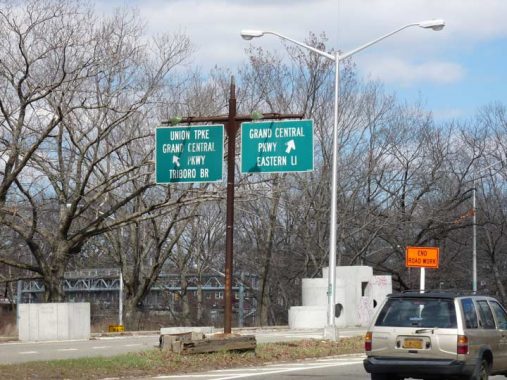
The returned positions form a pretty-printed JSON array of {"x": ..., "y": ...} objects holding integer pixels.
[{"x": 481, "y": 371}]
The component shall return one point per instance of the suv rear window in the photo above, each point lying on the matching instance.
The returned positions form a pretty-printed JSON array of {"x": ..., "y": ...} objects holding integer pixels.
[{"x": 418, "y": 312}]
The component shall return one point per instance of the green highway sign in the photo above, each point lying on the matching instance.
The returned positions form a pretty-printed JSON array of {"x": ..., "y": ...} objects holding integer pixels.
[
  {"x": 277, "y": 146},
  {"x": 189, "y": 154}
]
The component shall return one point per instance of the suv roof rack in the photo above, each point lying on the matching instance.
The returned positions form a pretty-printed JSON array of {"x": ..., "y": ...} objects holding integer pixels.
[{"x": 447, "y": 293}]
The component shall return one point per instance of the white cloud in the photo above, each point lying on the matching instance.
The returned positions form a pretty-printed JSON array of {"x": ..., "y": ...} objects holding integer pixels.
[
  {"x": 214, "y": 27},
  {"x": 352, "y": 20},
  {"x": 470, "y": 21},
  {"x": 400, "y": 72}
]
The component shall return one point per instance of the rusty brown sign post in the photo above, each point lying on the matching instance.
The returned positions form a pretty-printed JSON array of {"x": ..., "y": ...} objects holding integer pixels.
[{"x": 232, "y": 123}]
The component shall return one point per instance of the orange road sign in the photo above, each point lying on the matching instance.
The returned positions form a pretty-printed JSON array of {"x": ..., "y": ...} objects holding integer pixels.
[{"x": 422, "y": 257}]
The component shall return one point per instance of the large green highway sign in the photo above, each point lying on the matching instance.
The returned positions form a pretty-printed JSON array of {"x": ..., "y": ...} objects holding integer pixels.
[
  {"x": 189, "y": 154},
  {"x": 277, "y": 146}
]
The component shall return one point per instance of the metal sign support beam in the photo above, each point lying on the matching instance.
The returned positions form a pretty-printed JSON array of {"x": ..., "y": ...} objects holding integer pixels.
[{"x": 231, "y": 122}]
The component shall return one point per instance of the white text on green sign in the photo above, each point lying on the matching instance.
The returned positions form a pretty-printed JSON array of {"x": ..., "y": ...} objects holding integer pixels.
[
  {"x": 189, "y": 154},
  {"x": 277, "y": 146}
]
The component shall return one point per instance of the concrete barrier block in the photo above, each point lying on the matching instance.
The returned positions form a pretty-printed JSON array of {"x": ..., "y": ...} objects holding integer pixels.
[
  {"x": 307, "y": 317},
  {"x": 54, "y": 321}
]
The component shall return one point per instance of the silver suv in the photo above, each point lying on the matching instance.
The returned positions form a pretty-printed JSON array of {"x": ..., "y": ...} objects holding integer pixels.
[{"x": 437, "y": 335}]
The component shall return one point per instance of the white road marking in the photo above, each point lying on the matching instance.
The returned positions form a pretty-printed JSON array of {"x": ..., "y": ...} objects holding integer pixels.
[
  {"x": 242, "y": 369},
  {"x": 100, "y": 347},
  {"x": 270, "y": 370},
  {"x": 28, "y": 352},
  {"x": 133, "y": 345},
  {"x": 67, "y": 349},
  {"x": 282, "y": 370},
  {"x": 342, "y": 359},
  {"x": 293, "y": 335},
  {"x": 185, "y": 376},
  {"x": 127, "y": 337}
]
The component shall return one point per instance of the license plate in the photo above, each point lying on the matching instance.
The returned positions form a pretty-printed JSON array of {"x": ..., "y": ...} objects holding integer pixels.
[{"x": 413, "y": 344}]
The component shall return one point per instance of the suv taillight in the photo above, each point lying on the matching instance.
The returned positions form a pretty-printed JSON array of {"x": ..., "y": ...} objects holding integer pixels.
[
  {"x": 462, "y": 348},
  {"x": 367, "y": 341}
]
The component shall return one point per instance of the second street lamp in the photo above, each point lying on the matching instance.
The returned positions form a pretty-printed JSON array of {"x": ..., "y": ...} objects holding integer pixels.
[{"x": 330, "y": 330}]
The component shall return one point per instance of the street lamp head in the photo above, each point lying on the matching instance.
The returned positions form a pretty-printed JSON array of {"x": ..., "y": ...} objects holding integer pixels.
[
  {"x": 249, "y": 34},
  {"x": 432, "y": 24}
]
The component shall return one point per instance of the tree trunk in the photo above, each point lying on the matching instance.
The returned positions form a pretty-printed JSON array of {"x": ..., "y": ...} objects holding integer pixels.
[
  {"x": 499, "y": 284},
  {"x": 185, "y": 304},
  {"x": 53, "y": 285},
  {"x": 53, "y": 271},
  {"x": 264, "y": 306},
  {"x": 199, "y": 304},
  {"x": 131, "y": 315}
]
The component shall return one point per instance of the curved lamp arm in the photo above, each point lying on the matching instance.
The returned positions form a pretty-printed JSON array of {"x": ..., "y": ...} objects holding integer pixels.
[
  {"x": 428, "y": 24},
  {"x": 249, "y": 34}
]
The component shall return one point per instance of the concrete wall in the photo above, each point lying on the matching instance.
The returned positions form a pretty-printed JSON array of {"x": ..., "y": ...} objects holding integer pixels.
[
  {"x": 314, "y": 293},
  {"x": 54, "y": 321},
  {"x": 307, "y": 317},
  {"x": 357, "y": 290},
  {"x": 378, "y": 288},
  {"x": 353, "y": 277}
]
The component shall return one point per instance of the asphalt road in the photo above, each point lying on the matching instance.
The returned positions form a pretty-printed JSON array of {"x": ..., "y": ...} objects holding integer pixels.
[
  {"x": 344, "y": 367},
  {"x": 20, "y": 352},
  {"x": 337, "y": 368},
  {"x": 348, "y": 367}
]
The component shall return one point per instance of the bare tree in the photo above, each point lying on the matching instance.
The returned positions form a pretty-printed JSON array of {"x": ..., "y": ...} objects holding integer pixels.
[{"x": 76, "y": 95}]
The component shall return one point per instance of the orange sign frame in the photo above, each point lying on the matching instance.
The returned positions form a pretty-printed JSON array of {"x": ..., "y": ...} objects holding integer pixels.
[{"x": 422, "y": 257}]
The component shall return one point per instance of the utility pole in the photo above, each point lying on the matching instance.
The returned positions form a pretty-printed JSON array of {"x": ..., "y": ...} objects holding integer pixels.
[{"x": 231, "y": 123}]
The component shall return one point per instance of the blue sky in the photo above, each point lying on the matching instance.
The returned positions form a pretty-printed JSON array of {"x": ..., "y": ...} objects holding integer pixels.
[{"x": 452, "y": 72}]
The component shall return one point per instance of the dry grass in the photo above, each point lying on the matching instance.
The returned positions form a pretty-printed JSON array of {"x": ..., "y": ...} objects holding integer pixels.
[{"x": 156, "y": 362}]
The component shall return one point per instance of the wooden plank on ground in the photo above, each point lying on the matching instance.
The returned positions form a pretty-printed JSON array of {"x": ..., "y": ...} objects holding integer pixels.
[
  {"x": 232, "y": 343},
  {"x": 174, "y": 342}
]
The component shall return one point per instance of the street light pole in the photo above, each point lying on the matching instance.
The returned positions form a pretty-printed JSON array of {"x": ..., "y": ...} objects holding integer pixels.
[
  {"x": 330, "y": 331},
  {"x": 331, "y": 281},
  {"x": 474, "y": 239}
]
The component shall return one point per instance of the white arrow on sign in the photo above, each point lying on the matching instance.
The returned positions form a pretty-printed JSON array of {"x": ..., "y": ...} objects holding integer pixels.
[
  {"x": 291, "y": 145},
  {"x": 176, "y": 160}
]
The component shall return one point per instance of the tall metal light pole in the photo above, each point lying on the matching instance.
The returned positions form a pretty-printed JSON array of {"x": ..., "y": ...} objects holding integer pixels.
[
  {"x": 474, "y": 224},
  {"x": 330, "y": 331},
  {"x": 474, "y": 240}
]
